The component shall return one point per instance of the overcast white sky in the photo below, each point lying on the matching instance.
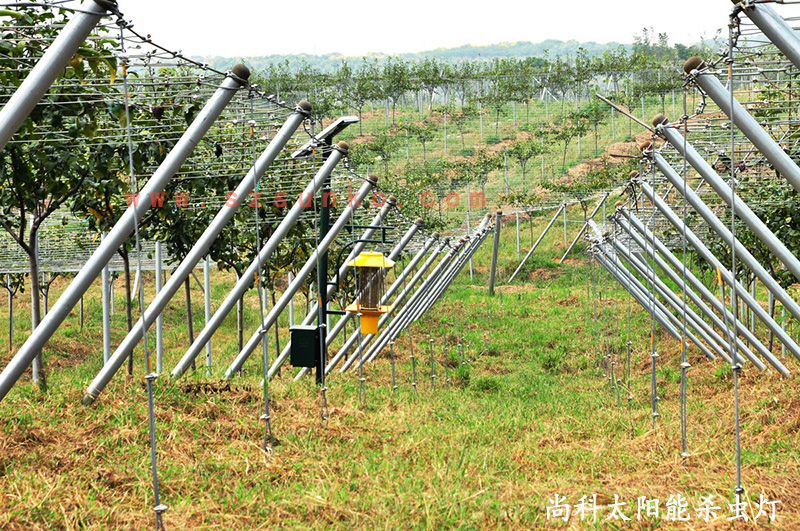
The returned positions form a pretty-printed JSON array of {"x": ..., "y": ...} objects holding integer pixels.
[{"x": 240, "y": 28}]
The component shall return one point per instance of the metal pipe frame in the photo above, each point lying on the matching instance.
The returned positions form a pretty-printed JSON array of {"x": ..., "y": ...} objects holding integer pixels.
[
  {"x": 535, "y": 245},
  {"x": 709, "y": 257},
  {"x": 390, "y": 292},
  {"x": 723, "y": 232},
  {"x": 122, "y": 230},
  {"x": 676, "y": 305},
  {"x": 585, "y": 225},
  {"x": 428, "y": 296},
  {"x": 48, "y": 68},
  {"x": 743, "y": 211},
  {"x": 776, "y": 29},
  {"x": 311, "y": 316},
  {"x": 196, "y": 253},
  {"x": 348, "y": 316},
  {"x": 744, "y": 121},
  {"x": 705, "y": 297},
  {"x": 636, "y": 290},
  {"x": 300, "y": 278},
  {"x": 478, "y": 237},
  {"x": 700, "y": 327}
]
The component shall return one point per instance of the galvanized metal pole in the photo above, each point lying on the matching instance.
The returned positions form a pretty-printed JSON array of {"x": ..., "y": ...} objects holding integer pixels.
[
  {"x": 718, "y": 227},
  {"x": 555, "y": 217},
  {"x": 743, "y": 210},
  {"x": 48, "y": 68},
  {"x": 469, "y": 213},
  {"x": 160, "y": 318},
  {"x": 498, "y": 225},
  {"x": 705, "y": 297},
  {"x": 776, "y": 29},
  {"x": 709, "y": 257},
  {"x": 198, "y": 251},
  {"x": 106, "y": 295},
  {"x": 207, "y": 306},
  {"x": 122, "y": 229},
  {"x": 744, "y": 121},
  {"x": 304, "y": 272},
  {"x": 291, "y": 304}
]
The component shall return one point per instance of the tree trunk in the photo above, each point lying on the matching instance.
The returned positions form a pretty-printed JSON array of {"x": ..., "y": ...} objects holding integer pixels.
[
  {"x": 188, "y": 290},
  {"x": 240, "y": 322},
  {"x": 36, "y": 311}
]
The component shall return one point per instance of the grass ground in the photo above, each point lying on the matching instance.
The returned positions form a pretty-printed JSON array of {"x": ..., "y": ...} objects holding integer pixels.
[{"x": 530, "y": 416}]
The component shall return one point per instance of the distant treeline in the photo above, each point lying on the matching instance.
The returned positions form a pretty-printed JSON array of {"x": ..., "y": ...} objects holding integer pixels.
[{"x": 329, "y": 63}]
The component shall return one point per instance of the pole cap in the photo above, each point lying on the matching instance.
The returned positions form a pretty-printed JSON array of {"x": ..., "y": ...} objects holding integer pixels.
[
  {"x": 344, "y": 146},
  {"x": 693, "y": 63},
  {"x": 660, "y": 119},
  {"x": 241, "y": 71},
  {"x": 645, "y": 146},
  {"x": 420, "y": 222},
  {"x": 391, "y": 200},
  {"x": 634, "y": 174},
  {"x": 371, "y": 178},
  {"x": 305, "y": 105}
]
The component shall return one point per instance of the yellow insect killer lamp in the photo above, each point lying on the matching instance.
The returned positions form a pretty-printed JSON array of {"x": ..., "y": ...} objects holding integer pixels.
[{"x": 371, "y": 270}]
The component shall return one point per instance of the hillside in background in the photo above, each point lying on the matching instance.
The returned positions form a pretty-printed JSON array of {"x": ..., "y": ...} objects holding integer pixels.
[{"x": 330, "y": 62}]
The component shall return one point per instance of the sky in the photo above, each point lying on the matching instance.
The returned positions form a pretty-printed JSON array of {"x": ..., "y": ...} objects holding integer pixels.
[{"x": 242, "y": 28}]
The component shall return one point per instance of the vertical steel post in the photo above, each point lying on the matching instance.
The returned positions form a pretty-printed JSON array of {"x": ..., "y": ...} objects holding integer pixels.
[
  {"x": 105, "y": 280},
  {"x": 469, "y": 213},
  {"x": 160, "y": 318},
  {"x": 498, "y": 225},
  {"x": 207, "y": 306},
  {"x": 291, "y": 303}
]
